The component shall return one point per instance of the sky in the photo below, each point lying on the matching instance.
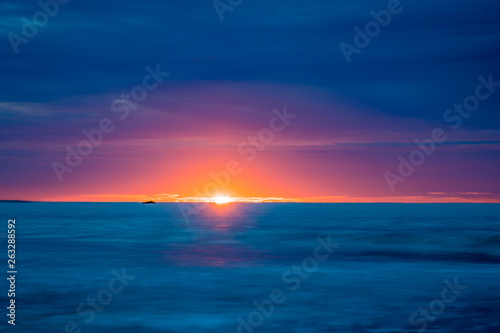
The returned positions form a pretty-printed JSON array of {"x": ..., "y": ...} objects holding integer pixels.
[{"x": 263, "y": 105}]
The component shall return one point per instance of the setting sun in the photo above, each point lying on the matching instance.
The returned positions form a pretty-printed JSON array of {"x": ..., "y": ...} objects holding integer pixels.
[{"x": 221, "y": 200}]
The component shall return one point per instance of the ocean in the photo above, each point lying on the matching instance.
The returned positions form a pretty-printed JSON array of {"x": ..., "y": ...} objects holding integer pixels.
[{"x": 254, "y": 267}]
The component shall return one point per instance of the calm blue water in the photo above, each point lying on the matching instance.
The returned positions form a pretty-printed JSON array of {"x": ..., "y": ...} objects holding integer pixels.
[{"x": 201, "y": 276}]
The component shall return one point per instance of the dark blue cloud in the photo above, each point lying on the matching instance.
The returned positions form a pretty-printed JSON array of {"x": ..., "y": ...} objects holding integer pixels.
[{"x": 428, "y": 57}]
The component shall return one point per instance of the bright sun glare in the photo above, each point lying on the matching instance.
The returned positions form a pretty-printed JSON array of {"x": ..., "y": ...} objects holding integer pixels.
[{"x": 221, "y": 200}]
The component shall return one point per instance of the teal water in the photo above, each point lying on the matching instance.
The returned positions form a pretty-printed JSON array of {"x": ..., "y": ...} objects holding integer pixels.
[{"x": 202, "y": 275}]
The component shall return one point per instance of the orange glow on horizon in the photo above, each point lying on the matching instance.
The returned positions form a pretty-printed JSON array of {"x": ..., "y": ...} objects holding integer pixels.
[{"x": 223, "y": 200}]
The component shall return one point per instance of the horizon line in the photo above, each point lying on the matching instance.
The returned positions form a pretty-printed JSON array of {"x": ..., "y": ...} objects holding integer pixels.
[{"x": 403, "y": 200}]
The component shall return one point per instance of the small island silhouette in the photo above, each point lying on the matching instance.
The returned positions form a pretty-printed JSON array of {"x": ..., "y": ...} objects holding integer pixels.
[{"x": 149, "y": 202}]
